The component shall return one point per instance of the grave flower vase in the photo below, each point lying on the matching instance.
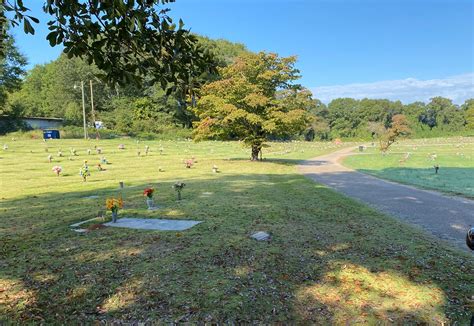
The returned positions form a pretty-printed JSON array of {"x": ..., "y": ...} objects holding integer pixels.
[
  {"x": 149, "y": 203},
  {"x": 114, "y": 216}
]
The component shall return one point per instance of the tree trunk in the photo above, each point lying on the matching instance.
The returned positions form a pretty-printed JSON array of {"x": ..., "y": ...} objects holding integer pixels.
[{"x": 255, "y": 151}]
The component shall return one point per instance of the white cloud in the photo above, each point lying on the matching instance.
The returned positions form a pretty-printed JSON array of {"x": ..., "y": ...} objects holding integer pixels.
[{"x": 458, "y": 88}]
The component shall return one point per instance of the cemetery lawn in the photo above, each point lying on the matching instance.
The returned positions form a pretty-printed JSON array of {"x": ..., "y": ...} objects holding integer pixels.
[
  {"x": 330, "y": 259},
  {"x": 454, "y": 156}
]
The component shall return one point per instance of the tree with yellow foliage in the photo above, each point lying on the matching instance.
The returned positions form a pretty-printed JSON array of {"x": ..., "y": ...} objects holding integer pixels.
[{"x": 254, "y": 101}]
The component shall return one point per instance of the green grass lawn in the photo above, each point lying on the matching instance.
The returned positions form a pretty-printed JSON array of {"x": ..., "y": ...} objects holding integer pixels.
[
  {"x": 454, "y": 156},
  {"x": 330, "y": 259}
]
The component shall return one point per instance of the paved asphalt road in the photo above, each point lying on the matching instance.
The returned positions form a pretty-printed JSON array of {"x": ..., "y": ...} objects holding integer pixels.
[{"x": 444, "y": 216}]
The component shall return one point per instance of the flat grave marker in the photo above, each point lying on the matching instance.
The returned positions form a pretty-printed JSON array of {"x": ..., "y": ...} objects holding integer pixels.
[{"x": 153, "y": 224}]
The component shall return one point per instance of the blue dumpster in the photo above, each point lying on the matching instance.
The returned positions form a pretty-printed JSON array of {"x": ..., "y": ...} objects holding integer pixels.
[{"x": 51, "y": 134}]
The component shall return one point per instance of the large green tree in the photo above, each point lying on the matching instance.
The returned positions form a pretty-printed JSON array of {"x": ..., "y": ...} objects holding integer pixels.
[
  {"x": 255, "y": 100},
  {"x": 12, "y": 69},
  {"x": 223, "y": 51},
  {"x": 343, "y": 117},
  {"x": 49, "y": 90}
]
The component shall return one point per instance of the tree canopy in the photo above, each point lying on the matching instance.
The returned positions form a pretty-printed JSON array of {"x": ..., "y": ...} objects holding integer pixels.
[
  {"x": 255, "y": 99},
  {"x": 12, "y": 69},
  {"x": 132, "y": 108},
  {"x": 126, "y": 40},
  {"x": 352, "y": 118}
]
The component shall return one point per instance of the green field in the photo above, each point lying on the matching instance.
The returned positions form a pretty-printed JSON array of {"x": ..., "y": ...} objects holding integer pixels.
[
  {"x": 454, "y": 156},
  {"x": 330, "y": 259}
]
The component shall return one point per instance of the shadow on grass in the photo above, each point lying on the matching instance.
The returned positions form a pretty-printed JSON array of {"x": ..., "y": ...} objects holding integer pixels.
[
  {"x": 282, "y": 161},
  {"x": 287, "y": 162},
  {"x": 330, "y": 259}
]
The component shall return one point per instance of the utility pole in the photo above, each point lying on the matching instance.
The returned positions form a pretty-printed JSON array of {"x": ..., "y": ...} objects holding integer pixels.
[
  {"x": 84, "y": 109},
  {"x": 97, "y": 135},
  {"x": 92, "y": 102}
]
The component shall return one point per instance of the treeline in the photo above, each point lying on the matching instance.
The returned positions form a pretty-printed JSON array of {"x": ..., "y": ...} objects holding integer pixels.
[
  {"x": 350, "y": 118},
  {"x": 51, "y": 90}
]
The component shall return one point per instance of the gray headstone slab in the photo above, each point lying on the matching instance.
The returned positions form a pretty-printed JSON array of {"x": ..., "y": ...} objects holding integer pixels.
[
  {"x": 261, "y": 236},
  {"x": 153, "y": 224}
]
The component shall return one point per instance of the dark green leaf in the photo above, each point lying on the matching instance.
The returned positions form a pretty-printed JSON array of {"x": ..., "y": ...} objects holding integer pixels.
[{"x": 27, "y": 27}]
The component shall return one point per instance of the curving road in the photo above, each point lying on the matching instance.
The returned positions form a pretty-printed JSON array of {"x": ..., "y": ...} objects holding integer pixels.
[{"x": 444, "y": 216}]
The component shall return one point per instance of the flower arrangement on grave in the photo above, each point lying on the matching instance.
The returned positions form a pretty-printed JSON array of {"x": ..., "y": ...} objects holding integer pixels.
[
  {"x": 50, "y": 158},
  {"x": 60, "y": 154},
  {"x": 148, "y": 193},
  {"x": 121, "y": 146},
  {"x": 99, "y": 167},
  {"x": 188, "y": 163},
  {"x": 88, "y": 151},
  {"x": 57, "y": 169},
  {"x": 73, "y": 151},
  {"x": 84, "y": 171},
  {"x": 215, "y": 169},
  {"x": 113, "y": 204},
  {"x": 178, "y": 187},
  {"x": 5, "y": 147},
  {"x": 103, "y": 160},
  {"x": 147, "y": 149}
]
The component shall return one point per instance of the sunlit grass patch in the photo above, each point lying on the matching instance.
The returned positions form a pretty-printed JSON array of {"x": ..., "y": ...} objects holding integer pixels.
[
  {"x": 123, "y": 296},
  {"x": 352, "y": 294},
  {"x": 15, "y": 296},
  {"x": 412, "y": 162}
]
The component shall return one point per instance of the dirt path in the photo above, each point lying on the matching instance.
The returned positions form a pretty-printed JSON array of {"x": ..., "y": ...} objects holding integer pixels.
[{"x": 444, "y": 216}]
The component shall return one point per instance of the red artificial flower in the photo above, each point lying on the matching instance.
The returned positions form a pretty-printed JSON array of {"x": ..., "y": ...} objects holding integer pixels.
[{"x": 148, "y": 192}]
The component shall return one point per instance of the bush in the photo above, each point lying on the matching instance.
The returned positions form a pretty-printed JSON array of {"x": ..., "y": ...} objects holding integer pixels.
[
  {"x": 30, "y": 134},
  {"x": 75, "y": 132},
  {"x": 8, "y": 125}
]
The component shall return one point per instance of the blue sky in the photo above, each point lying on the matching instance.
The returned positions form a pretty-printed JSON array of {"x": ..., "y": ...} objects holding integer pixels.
[{"x": 345, "y": 48}]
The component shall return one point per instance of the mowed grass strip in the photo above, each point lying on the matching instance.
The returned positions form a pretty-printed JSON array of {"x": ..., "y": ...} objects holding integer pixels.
[
  {"x": 412, "y": 162},
  {"x": 330, "y": 259}
]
